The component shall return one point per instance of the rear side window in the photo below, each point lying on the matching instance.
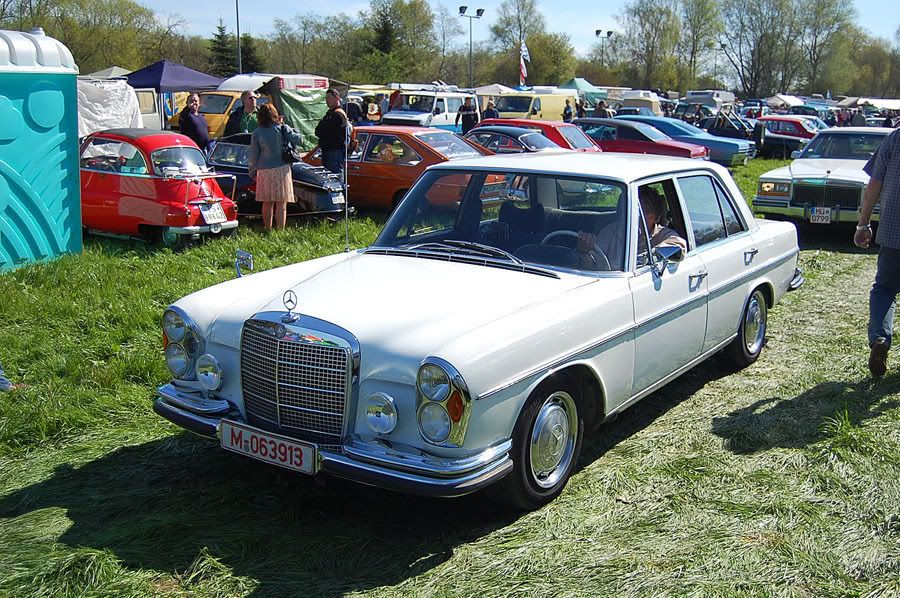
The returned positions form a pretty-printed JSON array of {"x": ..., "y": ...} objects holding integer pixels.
[
  {"x": 702, "y": 203},
  {"x": 733, "y": 224}
]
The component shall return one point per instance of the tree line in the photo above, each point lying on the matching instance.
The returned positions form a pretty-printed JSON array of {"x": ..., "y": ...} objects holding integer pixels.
[{"x": 755, "y": 48}]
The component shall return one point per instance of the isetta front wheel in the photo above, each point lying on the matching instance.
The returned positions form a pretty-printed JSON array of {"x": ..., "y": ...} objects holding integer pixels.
[{"x": 546, "y": 444}]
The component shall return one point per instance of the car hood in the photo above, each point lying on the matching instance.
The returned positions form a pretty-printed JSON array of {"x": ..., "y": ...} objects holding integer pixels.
[
  {"x": 817, "y": 168},
  {"x": 684, "y": 145},
  {"x": 712, "y": 141},
  {"x": 405, "y": 306},
  {"x": 412, "y": 117}
]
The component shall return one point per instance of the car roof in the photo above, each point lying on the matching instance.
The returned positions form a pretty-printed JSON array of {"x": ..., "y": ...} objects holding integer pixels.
[
  {"x": 857, "y": 130},
  {"x": 618, "y": 166},
  {"x": 399, "y": 129},
  {"x": 150, "y": 137},
  {"x": 504, "y": 129},
  {"x": 614, "y": 122},
  {"x": 524, "y": 123}
]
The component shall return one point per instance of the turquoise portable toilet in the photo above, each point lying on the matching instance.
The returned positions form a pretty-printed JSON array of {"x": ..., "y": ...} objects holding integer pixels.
[{"x": 40, "y": 201}]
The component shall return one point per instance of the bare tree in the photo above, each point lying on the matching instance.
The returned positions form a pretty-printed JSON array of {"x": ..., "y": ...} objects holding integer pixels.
[
  {"x": 822, "y": 20},
  {"x": 516, "y": 21},
  {"x": 700, "y": 28},
  {"x": 447, "y": 28},
  {"x": 652, "y": 31}
]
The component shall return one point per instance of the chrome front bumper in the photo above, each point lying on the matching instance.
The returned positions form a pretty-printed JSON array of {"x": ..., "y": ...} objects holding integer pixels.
[
  {"x": 375, "y": 465},
  {"x": 764, "y": 205}
]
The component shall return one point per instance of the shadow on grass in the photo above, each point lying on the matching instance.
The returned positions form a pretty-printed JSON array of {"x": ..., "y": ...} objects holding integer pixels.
[
  {"x": 797, "y": 422},
  {"x": 158, "y": 505},
  {"x": 835, "y": 238}
]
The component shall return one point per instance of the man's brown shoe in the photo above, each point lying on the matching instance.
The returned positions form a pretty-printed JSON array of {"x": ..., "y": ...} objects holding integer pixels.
[{"x": 878, "y": 357}]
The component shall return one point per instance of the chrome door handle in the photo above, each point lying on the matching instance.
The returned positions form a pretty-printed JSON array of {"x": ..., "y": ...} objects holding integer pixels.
[
  {"x": 752, "y": 252},
  {"x": 699, "y": 276},
  {"x": 354, "y": 168}
]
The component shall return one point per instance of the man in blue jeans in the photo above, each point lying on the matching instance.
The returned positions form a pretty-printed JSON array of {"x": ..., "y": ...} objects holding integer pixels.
[
  {"x": 332, "y": 133},
  {"x": 883, "y": 169},
  {"x": 5, "y": 384}
]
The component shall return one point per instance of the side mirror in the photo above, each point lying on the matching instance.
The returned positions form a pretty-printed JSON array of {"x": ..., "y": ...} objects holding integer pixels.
[
  {"x": 438, "y": 110},
  {"x": 665, "y": 254},
  {"x": 244, "y": 259},
  {"x": 795, "y": 154},
  {"x": 534, "y": 111}
]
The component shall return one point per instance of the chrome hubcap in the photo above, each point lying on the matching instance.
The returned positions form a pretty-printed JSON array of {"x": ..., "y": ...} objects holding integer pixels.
[
  {"x": 553, "y": 439},
  {"x": 755, "y": 323},
  {"x": 169, "y": 238}
]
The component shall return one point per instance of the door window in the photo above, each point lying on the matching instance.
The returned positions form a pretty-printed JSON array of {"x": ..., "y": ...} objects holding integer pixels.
[
  {"x": 109, "y": 155},
  {"x": 453, "y": 104},
  {"x": 537, "y": 104},
  {"x": 601, "y": 132},
  {"x": 704, "y": 211},
  {"x": 629, "y": 134},
  {"x": 358, "y": 154},
  {"x": 733, "y": 224},
  {"x": 388, "y": 149}
]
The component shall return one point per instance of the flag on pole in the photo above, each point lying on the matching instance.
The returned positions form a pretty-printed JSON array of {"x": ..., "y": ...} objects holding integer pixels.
[{"x": 523, "y": 56}]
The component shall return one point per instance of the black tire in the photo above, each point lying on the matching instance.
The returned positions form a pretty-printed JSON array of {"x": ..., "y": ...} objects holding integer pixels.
[
  {"x": 748, "y": 345},
  {"x": 537, "y": 479},
  {"x": 171, "y": 240}
]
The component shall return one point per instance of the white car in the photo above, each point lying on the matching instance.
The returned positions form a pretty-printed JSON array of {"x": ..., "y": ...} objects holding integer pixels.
[
  {"x": 825, "y": 183},
  {"x": 473, "y": 344}
]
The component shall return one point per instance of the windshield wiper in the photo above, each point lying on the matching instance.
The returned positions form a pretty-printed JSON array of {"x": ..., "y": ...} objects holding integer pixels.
[{"x": 469, "y": 246}]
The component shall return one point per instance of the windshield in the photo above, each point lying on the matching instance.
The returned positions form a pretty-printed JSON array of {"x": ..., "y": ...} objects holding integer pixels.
[
  {"x": 513, "y": 104},
  {"x": 537, "y": 141},
  {"x": 686, "y": 128},
  {"x": 415, "y": 103},
  {"x": 178, "y": 160},
  {"x": 514, "y": 218},
  {"x": 214, "y": 103},
  {"x": 652, "y": 133},
  {"x": 448, "y": 145},
  {"x": 843, "y": 146},
  {"x": 577, "y": 138},
  {"x": 229, "y": 154}
]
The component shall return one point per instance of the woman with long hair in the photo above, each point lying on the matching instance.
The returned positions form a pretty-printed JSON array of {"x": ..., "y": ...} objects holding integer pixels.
[{"x": 274, "y": 186}]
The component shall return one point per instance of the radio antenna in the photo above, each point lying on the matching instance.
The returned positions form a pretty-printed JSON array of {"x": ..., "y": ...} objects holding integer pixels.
[{"x": 347, "y": 132}]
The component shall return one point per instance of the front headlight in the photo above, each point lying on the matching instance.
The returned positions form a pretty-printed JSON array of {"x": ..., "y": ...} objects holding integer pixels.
[
  {"x": 434, "y": 421},
  {"x": 381, "y": 415},
  {"x": 433, "y": 382},
  {"x": 173, "y": 326},
  {"x": 177, "y": 359},
  {"x": 773, "y": 188},
  {"x": 209, "y": 373}
]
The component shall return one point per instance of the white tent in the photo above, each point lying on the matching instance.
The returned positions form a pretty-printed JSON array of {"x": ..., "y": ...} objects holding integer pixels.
[
  {"x": 880, "y": 103},
  {"x": 494, "y": 89},
  {"x": 109, "y": 104},
  {"x": 781, "y": 99},
  {"x": 112, "y": 72}
]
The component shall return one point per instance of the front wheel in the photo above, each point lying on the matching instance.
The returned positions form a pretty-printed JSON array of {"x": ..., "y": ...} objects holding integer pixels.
[
  {"x": 747, "y": 346},
  {"x": 546, "y": 444}
]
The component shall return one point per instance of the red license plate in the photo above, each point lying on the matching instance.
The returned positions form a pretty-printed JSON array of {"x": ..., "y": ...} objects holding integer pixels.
[{"x": 268, "y": 447}]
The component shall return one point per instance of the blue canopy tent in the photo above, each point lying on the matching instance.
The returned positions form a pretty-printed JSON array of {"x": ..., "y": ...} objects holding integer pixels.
[{"x": 166, "y": 76}]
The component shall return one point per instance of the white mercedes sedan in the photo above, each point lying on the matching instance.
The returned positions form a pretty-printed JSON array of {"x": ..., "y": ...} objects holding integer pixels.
[
  {"x": 825, "y": 183},
  {"x": 510, "y": 305}
]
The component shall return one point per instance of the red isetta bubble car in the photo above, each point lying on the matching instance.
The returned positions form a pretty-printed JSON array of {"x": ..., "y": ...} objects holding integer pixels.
[{"x": 154, "y": 184}]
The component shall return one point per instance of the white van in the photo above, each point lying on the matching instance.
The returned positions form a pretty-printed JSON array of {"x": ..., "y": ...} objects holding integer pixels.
[{"x": 429, "y": 108}]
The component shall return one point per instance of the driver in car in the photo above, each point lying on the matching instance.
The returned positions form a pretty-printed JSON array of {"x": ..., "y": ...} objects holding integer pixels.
[{"x": 608, "y": 245}]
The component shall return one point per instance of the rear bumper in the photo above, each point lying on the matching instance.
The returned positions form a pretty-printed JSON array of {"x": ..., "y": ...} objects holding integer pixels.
[
  {"x": 412, "y": 473},
  {"x": 797, "y": 281},
  {"x": 205, "y": 229}
]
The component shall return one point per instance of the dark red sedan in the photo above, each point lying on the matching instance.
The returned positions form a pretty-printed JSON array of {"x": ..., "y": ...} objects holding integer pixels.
[
  {"x": 565, "y": 135},
  {"x": 616, "y": 135},
  {"x": 151, "y": 183}
]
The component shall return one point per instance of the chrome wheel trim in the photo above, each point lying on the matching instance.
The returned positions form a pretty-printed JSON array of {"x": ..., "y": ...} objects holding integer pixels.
[
  {"x": 552, "y": 443},
  {"x": 755, "y": 323},
  {"x": 169, "y": 238}
]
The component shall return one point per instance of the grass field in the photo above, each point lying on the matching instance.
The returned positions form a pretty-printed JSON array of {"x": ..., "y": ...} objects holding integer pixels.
[{"x": 779, "y": 480}]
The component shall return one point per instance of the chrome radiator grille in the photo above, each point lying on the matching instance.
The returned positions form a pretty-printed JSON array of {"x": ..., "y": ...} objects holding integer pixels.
[
  {"x": 292, "y": 385},
  {"x": 826, "y": 196}
]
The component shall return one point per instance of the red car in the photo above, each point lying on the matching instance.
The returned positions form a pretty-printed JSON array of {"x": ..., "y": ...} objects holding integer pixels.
[
  {"x": 631, "y": 137},
  {"x": 562, "y": 134},
  {"x": 153, "y": 184},
  {"x": 789, "y": 125}
]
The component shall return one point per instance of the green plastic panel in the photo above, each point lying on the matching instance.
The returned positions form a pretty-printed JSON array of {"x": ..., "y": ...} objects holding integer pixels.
[{"x": 40, "y": 201}]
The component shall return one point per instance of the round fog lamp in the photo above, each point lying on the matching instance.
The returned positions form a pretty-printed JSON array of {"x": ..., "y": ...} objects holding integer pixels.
[
  {"x": 433, "y": 382},
  {"x": 381, "y": 415},
  {"x": 209, "y": 374},
  {"x": 177, "y": 359},
  {"x": 434, "y": 421},
  {"x": 173, "y": 326}
]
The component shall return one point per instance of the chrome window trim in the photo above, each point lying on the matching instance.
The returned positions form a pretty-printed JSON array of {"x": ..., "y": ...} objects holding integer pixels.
[{"x": 574, "y": 355}]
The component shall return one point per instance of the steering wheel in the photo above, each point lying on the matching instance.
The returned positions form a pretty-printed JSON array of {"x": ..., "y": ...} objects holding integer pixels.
[{"x": 596, "y": 254}]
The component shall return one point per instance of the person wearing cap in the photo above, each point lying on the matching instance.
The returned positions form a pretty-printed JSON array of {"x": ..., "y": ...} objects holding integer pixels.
[
  {"x": 243, "y": 118},
  {"x": 490, "y": 111}
]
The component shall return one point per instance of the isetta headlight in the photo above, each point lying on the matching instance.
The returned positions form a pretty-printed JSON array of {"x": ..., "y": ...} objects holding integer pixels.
[{"x": 381, "y": 414}]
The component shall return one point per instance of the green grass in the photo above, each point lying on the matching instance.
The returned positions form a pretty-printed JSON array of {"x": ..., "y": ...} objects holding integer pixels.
[
  {"x": 747, "y": 177},
  {"x": 779, "y": 480}
]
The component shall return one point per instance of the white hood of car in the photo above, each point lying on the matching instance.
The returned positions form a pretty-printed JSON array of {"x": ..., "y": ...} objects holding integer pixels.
[
  {"x": 816, "y": 168},
  {"x": 398, "y": 306}
]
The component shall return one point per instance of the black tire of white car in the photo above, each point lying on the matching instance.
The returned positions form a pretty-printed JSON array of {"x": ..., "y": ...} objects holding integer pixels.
[
  {"x": 747, "y": 346},
  {"x": 546, "y": 445}
]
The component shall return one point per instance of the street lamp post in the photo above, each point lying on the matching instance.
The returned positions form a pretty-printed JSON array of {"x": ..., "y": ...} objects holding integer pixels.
[
  {"x": 478, "y": 13},
  {"x": 719, "y": 48},
  {"x": 603, "y": 40},
  {"x": 237, "y": 19}
]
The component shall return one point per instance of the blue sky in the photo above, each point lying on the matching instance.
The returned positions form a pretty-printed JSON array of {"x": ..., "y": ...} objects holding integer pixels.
[{"x": 880, "y": 17}]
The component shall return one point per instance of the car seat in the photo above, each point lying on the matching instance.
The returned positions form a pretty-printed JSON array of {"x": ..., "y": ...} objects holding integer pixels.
[{"x": 523, "y": 224}]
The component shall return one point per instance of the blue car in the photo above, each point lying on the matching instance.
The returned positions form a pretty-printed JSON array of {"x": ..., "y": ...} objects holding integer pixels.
[{"x": 728, "y": 152}]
